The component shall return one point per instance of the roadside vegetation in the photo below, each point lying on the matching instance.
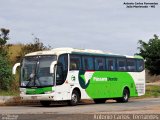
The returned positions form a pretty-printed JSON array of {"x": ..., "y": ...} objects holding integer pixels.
[
  {"x": 152, "y": 91},
  {"x": 150, "y": 52},
  {"x": 11, "y": 54},
  {"x": 6, "y": 77},
  {"x": 9, "y": 93}
]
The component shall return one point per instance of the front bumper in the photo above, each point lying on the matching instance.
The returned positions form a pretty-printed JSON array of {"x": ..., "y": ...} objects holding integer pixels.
[{"x": 49, "y": 97}]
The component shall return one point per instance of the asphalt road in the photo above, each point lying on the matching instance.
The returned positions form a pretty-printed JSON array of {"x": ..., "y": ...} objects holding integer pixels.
[
  {"x": 86, "y": 108},
  {"x": 149, "y": 105}
]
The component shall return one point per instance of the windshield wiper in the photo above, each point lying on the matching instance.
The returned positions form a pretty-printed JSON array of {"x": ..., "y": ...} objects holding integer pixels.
[{"x": 32, "y": 81}]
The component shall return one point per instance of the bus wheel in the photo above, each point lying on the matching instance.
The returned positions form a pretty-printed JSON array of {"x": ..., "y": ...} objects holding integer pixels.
[
  {"x": 124, "y": 98},
  {"x": 99, "y": 101},
  {"x": 45, "y": 103},
  {"x": 75, "y": 98}
]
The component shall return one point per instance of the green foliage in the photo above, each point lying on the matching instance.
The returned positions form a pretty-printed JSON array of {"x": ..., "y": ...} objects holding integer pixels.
[
  {"x": 5, "y": 73},
  {"x": 4, "y": 36},
  {"x": 3, "y": 40},
  {"x": 151, "y": 53},
  {"x": 5, "y": 70}
]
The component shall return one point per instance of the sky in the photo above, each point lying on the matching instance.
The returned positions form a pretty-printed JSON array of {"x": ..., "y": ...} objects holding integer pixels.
[{"x": 89, "y": 24}]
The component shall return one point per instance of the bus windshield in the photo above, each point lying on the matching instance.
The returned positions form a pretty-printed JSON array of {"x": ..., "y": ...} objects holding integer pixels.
[{"x": 35, "y": 71}]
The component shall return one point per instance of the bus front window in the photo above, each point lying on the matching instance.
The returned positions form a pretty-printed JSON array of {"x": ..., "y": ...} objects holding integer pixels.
[
  {"x": 35, "y": 71},
  {"x": 44, "y": 75}
]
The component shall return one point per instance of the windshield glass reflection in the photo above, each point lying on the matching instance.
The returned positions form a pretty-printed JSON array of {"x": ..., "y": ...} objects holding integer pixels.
[{"x": 35, "y": 71}]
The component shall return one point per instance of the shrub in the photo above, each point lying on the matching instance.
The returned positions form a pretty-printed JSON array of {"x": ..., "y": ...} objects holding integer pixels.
[{"x": 5, "y": 73}]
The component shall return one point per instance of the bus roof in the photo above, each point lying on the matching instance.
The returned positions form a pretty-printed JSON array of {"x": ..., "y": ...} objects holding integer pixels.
[{"x": 58, "y": 51}]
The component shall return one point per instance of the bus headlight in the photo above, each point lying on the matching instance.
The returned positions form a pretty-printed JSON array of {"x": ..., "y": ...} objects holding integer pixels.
[{"x": 22, "y": 91}]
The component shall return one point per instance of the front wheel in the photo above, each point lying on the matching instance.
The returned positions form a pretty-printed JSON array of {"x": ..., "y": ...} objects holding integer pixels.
[
  {"x": 75, "y": 98},
  {"x": 45, "y": 103},
  {"x": 124, "y": 97}
]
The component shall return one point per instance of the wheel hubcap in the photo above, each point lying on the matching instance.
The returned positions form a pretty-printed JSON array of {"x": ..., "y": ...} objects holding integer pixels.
[
  {"x": 125, "y": 96},
  {"x": 74, "y": 98}
]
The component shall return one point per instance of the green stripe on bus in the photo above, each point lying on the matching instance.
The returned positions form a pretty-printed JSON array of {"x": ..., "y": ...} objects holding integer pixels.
[{"x": 38, "y": 90}]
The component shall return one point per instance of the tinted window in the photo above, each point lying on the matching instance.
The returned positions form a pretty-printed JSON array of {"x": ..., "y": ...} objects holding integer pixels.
[
  {"x": 111, "y": 64},
  {"x": 131, "y": 65},
  {"x": 99, "y": 63},
  {"x": 121, "y": 64},
  {"x": 88, "y": 63},
  {"x": 140, "y": 65},
  {"x": 63, "y": 60},
  {"x": 75, "y": 62},
  {"x": 62, "y": 69}
]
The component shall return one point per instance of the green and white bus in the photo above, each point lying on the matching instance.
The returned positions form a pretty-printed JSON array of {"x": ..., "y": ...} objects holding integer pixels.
[{"x": 68, "y": 74}]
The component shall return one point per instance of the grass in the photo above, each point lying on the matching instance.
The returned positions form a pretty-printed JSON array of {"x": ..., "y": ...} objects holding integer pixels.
[
  {"x": 9, "y": 93},
  {"x": 151, "y": 91}
]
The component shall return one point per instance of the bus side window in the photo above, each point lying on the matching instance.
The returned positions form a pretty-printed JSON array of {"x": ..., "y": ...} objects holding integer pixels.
[
  {"x": 75, "y": 62},
  {"x": 140, "y": 65},
  {"x": 88, "y": 63},
  {"x": 62, "y": 69},
  {"x": 111, "y": 64},
  {"x": 99, "y": 63},
  {"x": 63, "y": 59},
  {"x": 121, "y": 64},
  {"x": 131, "y": 65}
]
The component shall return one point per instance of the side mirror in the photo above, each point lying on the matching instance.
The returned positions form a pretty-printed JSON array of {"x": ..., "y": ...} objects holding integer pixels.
[
  {"x": 15, "y": 68},
  {"x": 52, "y": 66}
]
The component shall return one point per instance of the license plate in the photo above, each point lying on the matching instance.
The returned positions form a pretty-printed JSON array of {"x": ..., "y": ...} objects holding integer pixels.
[{"x": 34, "y": 97}]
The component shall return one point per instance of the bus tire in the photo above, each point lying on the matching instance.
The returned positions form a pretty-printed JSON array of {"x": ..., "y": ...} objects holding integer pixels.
[
  {"x": 45, "y": 103},
  {"x": 125, "y": 96},
  {"x": 99, "y": 101},
  {"x": 75, "y": 98}
]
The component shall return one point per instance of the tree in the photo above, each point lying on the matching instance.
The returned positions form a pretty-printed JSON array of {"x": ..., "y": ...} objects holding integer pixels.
[
  {"x": 3, "y": 40},
  {"x": 5, "y": 73},
  {"x": 5, "y": 70},
  {"x": 151, "y": 53},
  {"x": 4, "y": 36}
]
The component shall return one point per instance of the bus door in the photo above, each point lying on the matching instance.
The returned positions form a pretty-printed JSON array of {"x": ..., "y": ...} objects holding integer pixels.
[{"x": 61, "y": 74}]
